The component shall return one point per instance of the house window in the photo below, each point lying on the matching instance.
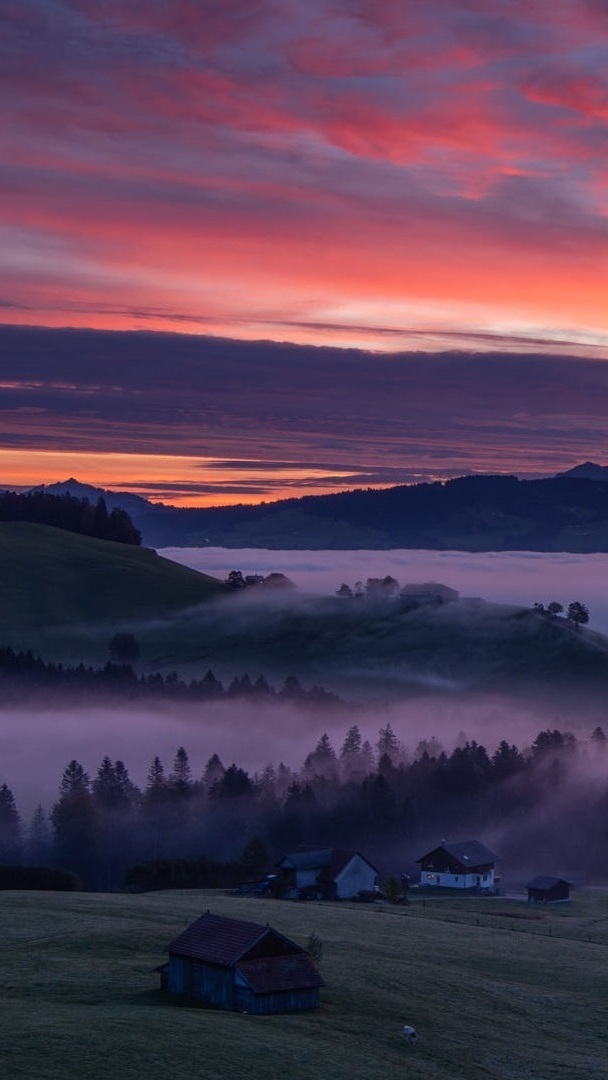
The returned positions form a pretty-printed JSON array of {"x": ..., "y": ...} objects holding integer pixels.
[{"x": 456, "y": 878}]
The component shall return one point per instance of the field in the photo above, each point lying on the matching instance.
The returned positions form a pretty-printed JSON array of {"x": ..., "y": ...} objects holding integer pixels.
[
  {"x": 54, "y": 581},
  {"x": 494, "y": 988}
]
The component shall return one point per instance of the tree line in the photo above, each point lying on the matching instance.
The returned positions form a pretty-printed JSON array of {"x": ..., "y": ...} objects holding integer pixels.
[
  {"x": 69, "y": 513},
  {"x": 25, "y": 675},
  {"x": 548, "y": 803}
]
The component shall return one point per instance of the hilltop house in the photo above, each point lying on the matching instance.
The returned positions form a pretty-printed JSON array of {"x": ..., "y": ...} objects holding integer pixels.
[
  {"x": 464, "y": 865},
  {"x": 430, "y": 592},
  {"x": 327, "y": 873},
  {"x": 548, "y": 890},
  {"x": 241, "y": 966}
]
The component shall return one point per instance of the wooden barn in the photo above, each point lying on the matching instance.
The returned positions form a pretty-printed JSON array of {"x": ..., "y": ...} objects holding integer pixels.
[
  {"x": 463, "y": 865},
  {"x": 548, "y": 890},
  {"x": 242, "y": 966},
  {"x": 326, "y": 873}
]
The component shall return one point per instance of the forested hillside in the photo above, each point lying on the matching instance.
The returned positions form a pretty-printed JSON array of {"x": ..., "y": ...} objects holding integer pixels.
[
  {"x": 471, "y": 513},
  {"x": 66, "y": 512}
]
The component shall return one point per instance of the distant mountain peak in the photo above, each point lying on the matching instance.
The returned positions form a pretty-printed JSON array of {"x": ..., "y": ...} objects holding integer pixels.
[
  {"x": 589, "y": 470},
  {"x": 126, "y": 500}
]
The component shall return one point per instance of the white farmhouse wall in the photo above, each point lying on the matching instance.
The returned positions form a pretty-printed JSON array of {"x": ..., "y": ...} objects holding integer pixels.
[
  {"x": 356, "y": 875},
  {"x": 457, "y": 881}
]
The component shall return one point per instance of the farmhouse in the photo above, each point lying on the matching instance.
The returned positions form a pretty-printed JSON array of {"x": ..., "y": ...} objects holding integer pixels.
[
  {"x": 328, "y": 874},
  {"x": 464, "y": 865},
  {"x": 548, "y": 890},
  {"x": 430, "y": 592},
  {"x": 242, "y": 966}
]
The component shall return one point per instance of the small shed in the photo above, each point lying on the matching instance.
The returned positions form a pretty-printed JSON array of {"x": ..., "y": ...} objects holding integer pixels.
[
  {"x": 466, "y": 864},
  {"x": 328, "y": 873},
  {"x": 548, "y": 890},
  {"x": 241, "y": 966}
]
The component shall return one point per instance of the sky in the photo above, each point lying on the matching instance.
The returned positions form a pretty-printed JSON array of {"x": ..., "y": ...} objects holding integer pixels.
[{"x": 409, "y": 180}]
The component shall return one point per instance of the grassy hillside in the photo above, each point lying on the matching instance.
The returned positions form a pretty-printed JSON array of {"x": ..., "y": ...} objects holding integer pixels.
[
  {"x": 63, "y": 595},
  {"x": 495, "y": 990},
  {"x": 351, "y": 646},
  {"x": 50, "y": 577}
]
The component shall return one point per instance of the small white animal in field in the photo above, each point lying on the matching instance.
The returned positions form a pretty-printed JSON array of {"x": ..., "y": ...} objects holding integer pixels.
[{"x": 410, "y": 1034}]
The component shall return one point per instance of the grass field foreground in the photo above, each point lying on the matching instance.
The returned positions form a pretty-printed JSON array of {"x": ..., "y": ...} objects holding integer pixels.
[{"x": 494, "y": 988}]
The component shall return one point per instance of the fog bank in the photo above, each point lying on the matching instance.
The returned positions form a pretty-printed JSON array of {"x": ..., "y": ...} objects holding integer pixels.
[
  {"x": 514, "y": 577},
  {"x": 36, "y": 743}
]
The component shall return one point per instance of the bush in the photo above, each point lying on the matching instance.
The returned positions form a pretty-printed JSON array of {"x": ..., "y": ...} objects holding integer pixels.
[
  {"x": 392, "y": 890},
  {"x": 39, "y": 877},
  {"x": 124, "y": 648}
]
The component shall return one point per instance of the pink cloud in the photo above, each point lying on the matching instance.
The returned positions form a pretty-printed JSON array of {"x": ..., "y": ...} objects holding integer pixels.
[{"x": 335, "y": 151}]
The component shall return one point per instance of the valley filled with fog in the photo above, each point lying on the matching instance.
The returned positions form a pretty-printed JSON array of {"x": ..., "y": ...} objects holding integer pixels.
[
  {"x": 37, "y": 742},
  {"x": 481, "y": 717},
  {"x": 507, "y": 577}
]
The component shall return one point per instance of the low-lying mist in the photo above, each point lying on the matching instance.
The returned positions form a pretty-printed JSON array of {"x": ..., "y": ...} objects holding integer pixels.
[
  {"x": 37, "y": 742},
  {"x": 447, "y": 698},
  {"x": 390, "y": 781},
  {"x": 506, "y": 577}
]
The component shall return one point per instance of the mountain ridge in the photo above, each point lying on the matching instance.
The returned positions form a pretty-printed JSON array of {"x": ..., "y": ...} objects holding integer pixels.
[{"x": 478, "y": 512}]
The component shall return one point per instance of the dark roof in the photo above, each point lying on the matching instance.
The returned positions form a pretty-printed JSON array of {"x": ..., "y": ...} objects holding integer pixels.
[
  {"x": 469, "y": 853},
  {"x": 274, "y": 974},
  {"x": 546, "y": 882},
  {"x": 307, "y": 860},
  {"x": 331, "y": 861},
  {"x": 218, "y": 940}
]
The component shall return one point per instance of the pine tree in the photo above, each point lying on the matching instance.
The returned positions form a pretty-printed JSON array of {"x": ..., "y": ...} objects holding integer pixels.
[
  {"x": 255, "y": 858},
  {"x": 38, "y": 839},
  {"x": 214, "y": 771},
  {"x": 352, "y": 743},
  {"x": 181, "y": 776},
  {"x": 156, "y": 782},
  {"x": 322, "y": 761},
  {"x": 10, "y": 828},
  {"x": 353, "y": 762},
  {"x": 598, "y": 738},
  {"x": 388, "y": 744},
  {"x": 75, "y": 825}
]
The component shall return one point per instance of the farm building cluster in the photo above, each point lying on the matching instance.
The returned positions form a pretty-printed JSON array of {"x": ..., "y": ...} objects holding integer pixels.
[{"x": 249, "y": 967}]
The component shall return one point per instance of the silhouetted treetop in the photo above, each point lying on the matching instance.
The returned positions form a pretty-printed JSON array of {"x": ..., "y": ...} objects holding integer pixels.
[{"x": 69, "y": 513}]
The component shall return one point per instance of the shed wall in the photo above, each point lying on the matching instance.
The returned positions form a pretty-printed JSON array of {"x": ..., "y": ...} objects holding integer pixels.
[{"x": 202, "y": 981}]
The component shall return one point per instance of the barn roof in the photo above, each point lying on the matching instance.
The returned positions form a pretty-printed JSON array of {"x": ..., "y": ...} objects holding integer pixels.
[
  {"x": 545, "y": 882},
  {"x": 307, "y": 860},
  {"x": 330, "y": 861},
  {"x": 469, "y": 853},
  {"x": 275, "y": 974},
  {"x": 219, "y": 940}
]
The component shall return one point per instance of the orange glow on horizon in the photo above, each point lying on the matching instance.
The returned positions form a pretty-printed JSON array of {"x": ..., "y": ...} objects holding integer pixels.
[{"x": 162, "y": 477}]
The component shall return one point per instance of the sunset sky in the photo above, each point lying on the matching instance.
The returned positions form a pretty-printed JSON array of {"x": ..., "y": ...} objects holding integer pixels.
[{"x": 390, "y": 176}]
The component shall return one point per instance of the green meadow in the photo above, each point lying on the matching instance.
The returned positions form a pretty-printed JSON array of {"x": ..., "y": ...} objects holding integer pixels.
[
  {"x": 57, "y": 587},
  {"x": 494, "y": 988}
]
